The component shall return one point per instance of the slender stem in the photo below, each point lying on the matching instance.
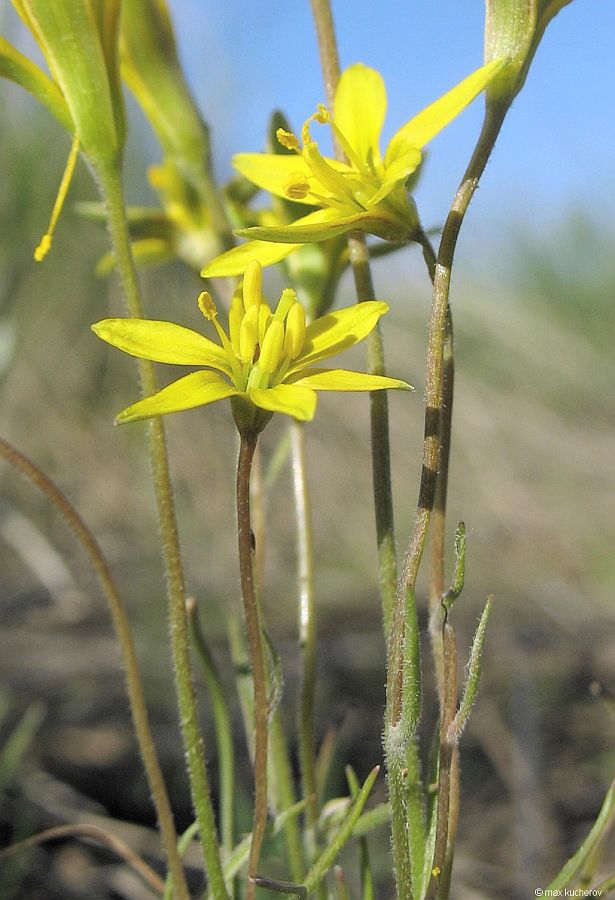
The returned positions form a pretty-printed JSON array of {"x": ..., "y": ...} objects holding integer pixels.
[
  {"x": 447, "y": 747},
  {"x": 379, "y": 409},
  {"x": 453, "y": 822},
  {"x": 307, "y": 622},
  {"x": 111, "y": 190},
  {"x": 257, "y": 656},
  {"x": 123, "y": 631},
  {"x": 435, "y": 387},
  {"x": 438, "y": 525}
]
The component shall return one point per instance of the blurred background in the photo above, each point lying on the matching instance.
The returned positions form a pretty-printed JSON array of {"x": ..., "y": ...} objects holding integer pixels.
[{"x": 532, "y": 472}]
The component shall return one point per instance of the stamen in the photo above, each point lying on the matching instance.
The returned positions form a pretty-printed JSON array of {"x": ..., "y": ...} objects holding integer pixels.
[
  {"x": 294, "y": 337},
  {"x": 252, "y": 285},
  {"x": 271, "y": 348},
  {"x": 45, "y": 243},
  {"x": 248, "y": 335},
  {"x": 321, "y": 116},
  {"x": 287, "y": 139},
  {"x": 297, "y": 186},
  {"x": 207, "y": 305}
]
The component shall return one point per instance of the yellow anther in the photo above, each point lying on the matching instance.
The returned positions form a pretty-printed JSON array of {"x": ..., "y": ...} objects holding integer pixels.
[
  {"x": 207, "y": 305},
  {"x": 294, "y": 338},
  {"x": 248, "y": 335},
  {"x": 252, "y": 284},
  {"x": 271, "y": 348},
  {"x": 264, "y": 317},
  {"x": 436, "y": 871},
  {"x": 45, "y": 243},
  {"x": 297, "y": 186},
  {"x": 287, "y": 139},
  {"x": 235, "y": 318},
  {"x": 322, "y": 114}
]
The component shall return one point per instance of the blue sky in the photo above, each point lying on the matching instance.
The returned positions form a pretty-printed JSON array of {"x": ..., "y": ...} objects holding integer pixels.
[{"x": 557, "y": 150}]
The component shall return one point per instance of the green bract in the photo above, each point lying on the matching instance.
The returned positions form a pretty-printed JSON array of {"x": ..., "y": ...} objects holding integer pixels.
[
  {"x": 368, "y": 191},
  {"x": 514, "y": 28},
  {"x": 266, "y": 362}
]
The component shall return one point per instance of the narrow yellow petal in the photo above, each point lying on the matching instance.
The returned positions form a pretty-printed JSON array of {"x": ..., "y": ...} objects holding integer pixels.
[
  {"x": 318, "y": 226},
  {"x": 290, "y": 399},
  {"x": 359, "y": 111},
  {"x": 192, "y": 390},
  {"x": 234, "y": 261},
  {"x": 345, "y": 380},
  {"x": 426, "y": 125},
  {"x": 337, "y": 331},
  {"x": 162, "y": 342}
]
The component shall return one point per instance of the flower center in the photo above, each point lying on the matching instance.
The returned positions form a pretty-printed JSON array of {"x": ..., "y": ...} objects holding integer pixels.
[{"x": 262, "y": 343}]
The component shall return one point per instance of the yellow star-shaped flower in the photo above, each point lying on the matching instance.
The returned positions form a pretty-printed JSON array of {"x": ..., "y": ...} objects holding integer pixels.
[
  {"x": 265, "y": 364},
  {"x": 368, "y": 191}
]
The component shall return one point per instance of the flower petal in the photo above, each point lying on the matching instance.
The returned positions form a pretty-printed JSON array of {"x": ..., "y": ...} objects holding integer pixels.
[
  {"x": 337, "y": 331},
  {"x": 359, "y": 111},
  {"x": 318, "y": 226},
  {"x": 345, "y": 380},
  {"x": 407, "y": 162},
  {"x": 272, "y": 172},
  {"x": 426, "y": 125},
  {"x": 162, "y": 342},
  {"x": 192, "y": 390},
  {"x": 234, "y": 261},
  {"x": 290, "y": 399}
]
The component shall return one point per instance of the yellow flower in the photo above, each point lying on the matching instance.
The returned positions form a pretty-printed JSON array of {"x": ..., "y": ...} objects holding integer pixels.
[
  {"x": 368, "y": 191},
  {"x": 265, "y": 363}
]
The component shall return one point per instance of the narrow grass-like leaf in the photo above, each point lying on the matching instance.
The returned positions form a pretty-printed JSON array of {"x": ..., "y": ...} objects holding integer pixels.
[
  {"x": 473, "y": 676},
  {"x": 327, "y": 857},
  {"x": 598, "y": 833},
  {"x": 18, "y": 742}
]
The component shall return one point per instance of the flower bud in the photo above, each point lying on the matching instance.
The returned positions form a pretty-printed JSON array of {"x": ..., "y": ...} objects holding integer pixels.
[{"x": 513, "y": 29}]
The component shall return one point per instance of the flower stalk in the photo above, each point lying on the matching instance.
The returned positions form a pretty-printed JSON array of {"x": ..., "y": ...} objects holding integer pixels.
[
  {"x": 257, "y": 656},
  {"x": 307, "y": 623},
  {"x": 111, "y": 189}
]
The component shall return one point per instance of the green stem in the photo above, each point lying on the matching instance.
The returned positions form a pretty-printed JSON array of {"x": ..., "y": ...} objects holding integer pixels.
[
  {"x": 379, "y": 409},
  {"x": 223, "y": 726},
  {"x": 307, "y": 623},
  {"x": 257, "y": 657},
  {"x": 123, "y": 631},
  {"x": 112, "y": 193}
]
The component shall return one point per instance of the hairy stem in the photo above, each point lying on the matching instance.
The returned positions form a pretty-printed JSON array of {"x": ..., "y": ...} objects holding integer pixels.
[
  {"x": 307, "y": 622},
  {"x": 111, "y": 190},
  {"x": 123, "y": 631},
  {"x": 379, "y": 408},
  {"x": 257, "y": 656}
]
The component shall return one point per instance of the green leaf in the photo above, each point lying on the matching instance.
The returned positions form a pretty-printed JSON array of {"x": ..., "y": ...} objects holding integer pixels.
[
  {"x": 18, "y": 68},
  {"x": 328, "y": 856},
  {"x": 598, "y": 832},
  {"x": 67, "y": 32},
  {"x": 151, "y": 68}
]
